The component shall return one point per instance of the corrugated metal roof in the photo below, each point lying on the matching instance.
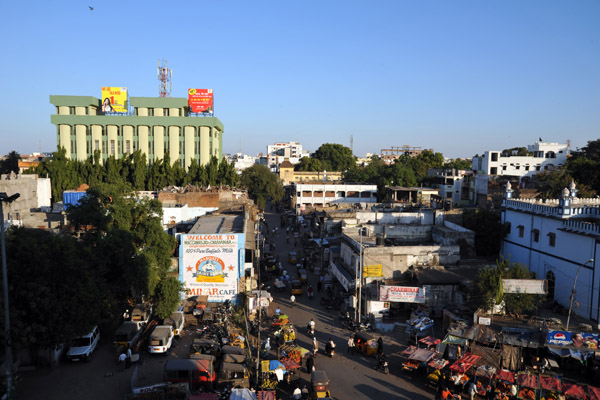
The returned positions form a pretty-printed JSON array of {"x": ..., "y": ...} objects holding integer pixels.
[{"x": 218, "y": 224}]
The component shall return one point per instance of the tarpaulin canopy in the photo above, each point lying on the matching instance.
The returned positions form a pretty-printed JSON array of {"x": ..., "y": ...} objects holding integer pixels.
[
  {"x": 271, "y": 365},
  {"x": 575, "y": 391},
  {"x": 465, "y": 363},
  {"x": 489, "y": 356},
  {"x": 438, "y": 363},
  {"x": 422, "y": 355},
  {"x": 408, "y": 351},
  {"x": 451, "y": 339},
  {"x": 485, "y": 371},
  {"x": 550, "y": 383},
  {"x": 528, "y": 380},
  {"x": 430, "y": 341},
  {"x": 594, "y": 393},
  {"x": 242, "y": 394},
  {"x": 505, "y": 375},
  {"x": 567, "y": 352},
  {"x": 266, "y": 395}
]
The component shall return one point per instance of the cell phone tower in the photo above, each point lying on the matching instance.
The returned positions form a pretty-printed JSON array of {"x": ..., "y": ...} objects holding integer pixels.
[{"x": 164, "y": 76}]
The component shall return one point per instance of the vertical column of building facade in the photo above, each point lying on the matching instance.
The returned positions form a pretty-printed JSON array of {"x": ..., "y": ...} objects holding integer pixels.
[
  {"x": 64, "y": 131},
  {"x": 143, "y": 132},
  {"x": 189, "y": 149},
  {"x": 159, "y": 142},
  {"x": 174, "y": 143},
  {"x": 97, "y": 140},
  {"x": 112, "y": 136},
  {"x": 204, "y": 145},
  {"x": 127, "y": 139},
  {"x": 80, "y": 136}
]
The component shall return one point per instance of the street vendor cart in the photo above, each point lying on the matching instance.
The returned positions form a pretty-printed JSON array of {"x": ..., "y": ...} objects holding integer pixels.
[
  {"x": 280, "y": 320},
  {"x": 528, "y": 386},
  {"x": 286, "y": 334},
  {"x": 460, "y": 368},
  {"x": 417, "y": 359},
  {"x": 549, "y": 387},
  {"x": 434, "y": 371},
  {"x": 365, "y": 343},
  {"x": 429, "y": 342},
  {"x": 272, "y": 373},
  {"x": 292, "y": 370},
  {"x": 594, "y": 393},
  {"x": 484, "y": 375}
]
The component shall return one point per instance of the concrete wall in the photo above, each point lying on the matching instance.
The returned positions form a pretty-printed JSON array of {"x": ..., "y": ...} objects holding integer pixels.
[
  {"x": 192, "y": 199},
  {"x": 424, "y": 218},
  {"x": 35, "y": 193},
  {"x": 175, "y": 215}
]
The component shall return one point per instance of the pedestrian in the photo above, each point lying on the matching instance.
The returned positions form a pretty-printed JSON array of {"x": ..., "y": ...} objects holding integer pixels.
[
  {"x": 122, "y": 358},
  {"x": 277, "y": 311},
  {"x": 315, "y": 346},
  {"x": 310, "y": 363},
  {"x": 128, "y": 358},
  {"x": 292, "y": 300},
  {"x": 472, "y": 390},
  {"x": 380, "y": 345},
  {"x": 351, "y": 345}
]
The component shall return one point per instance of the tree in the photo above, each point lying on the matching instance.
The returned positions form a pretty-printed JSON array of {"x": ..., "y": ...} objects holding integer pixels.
[
  {"x": 309, "y": 164},
  {"x": 56, "y": 292},
  {"x": 261, "y": 184},
  {"x": 335, "y": 157},
  {"x": 515, "y": 151},
  {"x": 489, "y": 288},
  {"x": 10, "y": 163},
  {"x": 550, "y": 184},
  {"x": 584, "y": 164},
  {"x": 459, "y": 164},
  {"x": 167, "y": 297}
]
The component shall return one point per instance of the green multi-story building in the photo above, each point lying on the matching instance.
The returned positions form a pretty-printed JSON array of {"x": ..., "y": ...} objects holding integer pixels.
[{"x": 157, "y": 126}]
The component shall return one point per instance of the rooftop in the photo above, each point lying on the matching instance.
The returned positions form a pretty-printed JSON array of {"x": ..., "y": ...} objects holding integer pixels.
[{"x": 220, "y": 223}]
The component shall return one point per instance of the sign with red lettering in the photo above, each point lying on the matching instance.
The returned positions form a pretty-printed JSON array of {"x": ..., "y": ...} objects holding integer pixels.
[
  {"x": 200, "y": 100},
  {"x": 210, "y": 265},
  {"x": 402, "y": 294}
]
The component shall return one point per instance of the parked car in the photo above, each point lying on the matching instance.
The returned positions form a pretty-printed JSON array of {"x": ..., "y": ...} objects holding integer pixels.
[
  {"x": 161, "y": 339},
  {"x": 126, "y": 334},
  {"x": 83, "y": 346},
  {"x": 141, "y": 314}
]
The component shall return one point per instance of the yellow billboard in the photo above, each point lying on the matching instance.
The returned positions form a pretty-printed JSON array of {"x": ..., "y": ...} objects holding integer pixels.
[
  {"x": 373, "y": 270},
  {"x": 114, "y": 99}
]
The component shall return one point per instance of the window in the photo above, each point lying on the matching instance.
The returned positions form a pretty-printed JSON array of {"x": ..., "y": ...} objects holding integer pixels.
[
  {"x": 536, "y": 235},
  {"x": 552, "y": 239},
  {"x": 112, "y": 147},
  {"x": 494, "y": 156},
  {"x": 493, "y": 170},
  {"x": 521, "y": 229},
  {"x": 504, "y": 168},
  {"x": 527, "y": 168},
  {"x": 128, "y": 146},
  {"x": 537, "y": 167},
  {"x": 507, "y": 227},
  {"x": 96, "y": 145}
]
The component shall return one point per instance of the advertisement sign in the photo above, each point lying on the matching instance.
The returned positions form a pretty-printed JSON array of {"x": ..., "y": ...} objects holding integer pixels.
[
  {"x": 575, "y": 339},
  {"x": 527, "y": 286},
  {"x": 200, "y": 100},
  {"x": 210, "y": 265},
  {"x": 373, "y": 270},
  {"x": 114, "y": 99},
  {"x": 402, "y": 294}
]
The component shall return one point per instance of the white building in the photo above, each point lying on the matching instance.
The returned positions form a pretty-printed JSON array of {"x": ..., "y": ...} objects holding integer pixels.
[
  {"x": 544, "y": 157},
  {"x": 325, "y": 193},
  {"x": 456, "y": 185},
  {"x": 557, "y": 239},
  {"x": 278, "y": 152},
  {"x": 241, "y": 161}
]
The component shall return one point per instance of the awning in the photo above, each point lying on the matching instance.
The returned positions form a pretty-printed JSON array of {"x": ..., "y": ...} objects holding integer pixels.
[
  {"x": 465, "y": 363},
  {"x": 549, "y": 383},
  {"x": 505, "y": 375},
  {"x": 290, "y": 364},
  {"x": 594, "y": 393},
  {"x": 430, "y": 341},
  {"x": 408, "y": 351},
  {"x": 570, "y": 389},
  {"x": 422, "y": 355},
  {"x": 266, "y": 395},
  {"x": 342, "y": 276},
  {"x": 271, "y": 365},
  {"x": 451, "y": 339},
  {"x": 528, "y": 380},
  {"x": 438, "y": 363},
  {"x": 318, "y": 241},
  {"x": 242, "y": 394}
]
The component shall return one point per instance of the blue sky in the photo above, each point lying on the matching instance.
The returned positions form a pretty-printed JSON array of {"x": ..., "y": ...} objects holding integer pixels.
[{"x": 460, "y": 77}]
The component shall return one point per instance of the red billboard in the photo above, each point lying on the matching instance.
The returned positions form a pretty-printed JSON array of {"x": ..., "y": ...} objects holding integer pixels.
[{"x": 200, "y": 100}]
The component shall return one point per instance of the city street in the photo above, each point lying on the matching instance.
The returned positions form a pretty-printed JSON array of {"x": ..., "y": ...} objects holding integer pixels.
[{"x": 351, "y": 376}]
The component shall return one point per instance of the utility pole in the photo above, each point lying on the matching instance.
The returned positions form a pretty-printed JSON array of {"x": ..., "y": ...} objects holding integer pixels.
[{"x": 360, "y": 232}]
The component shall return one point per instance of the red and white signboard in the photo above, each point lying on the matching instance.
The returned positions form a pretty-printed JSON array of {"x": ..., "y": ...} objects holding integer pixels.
[
  {"x": 200, "y": 100},
  {"x": 402, "y": 294}
]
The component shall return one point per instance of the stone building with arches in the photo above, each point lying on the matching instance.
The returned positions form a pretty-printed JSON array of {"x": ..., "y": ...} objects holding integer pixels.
[
  {"x": 558, "y": 240},
  {"x": 156, "y": 126}
]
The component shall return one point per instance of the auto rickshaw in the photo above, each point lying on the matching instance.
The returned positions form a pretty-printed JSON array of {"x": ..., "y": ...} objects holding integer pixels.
[
  {"x": 303, "y": 276},
  {"x": 365, "y": 343},
  {"x": 293, "y": 257},
  {"x": 296, "y": 287},
  {"x": 204, "y": 346},
  {"x": 235, "y": 375},
  {"x": 320, "y": 385}
]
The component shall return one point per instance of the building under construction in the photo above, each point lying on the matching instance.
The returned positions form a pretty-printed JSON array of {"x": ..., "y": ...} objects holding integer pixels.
[{"x": 389, "y": 155}]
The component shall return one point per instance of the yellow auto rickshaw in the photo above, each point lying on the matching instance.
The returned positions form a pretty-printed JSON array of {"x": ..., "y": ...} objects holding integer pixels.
[
  {"x": 296, "y": 287},
  {"x": 320, "y": 385},
  {"x": 303, "y": 275},
  {"x": 365, "y": 343}
]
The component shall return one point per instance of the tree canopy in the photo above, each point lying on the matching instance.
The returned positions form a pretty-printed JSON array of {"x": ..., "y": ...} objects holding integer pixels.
[
  {"x": 261, "y": 185},
  {"x": 10, "y": 163},
  {"x": 328, "y": 157}
]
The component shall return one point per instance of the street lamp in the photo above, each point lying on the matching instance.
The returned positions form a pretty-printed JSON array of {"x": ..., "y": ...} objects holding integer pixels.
[
  {"x": 4, "y": 198},
  {"x": 359, "y": 276},
  {"x": 591, "y": 260}
]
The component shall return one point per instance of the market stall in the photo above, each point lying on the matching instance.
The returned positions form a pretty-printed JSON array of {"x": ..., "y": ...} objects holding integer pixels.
[
  {"x": 460, "y": 368},
  {"x": 434, "y": 374},
  {"x": 273, "y": 372},
  {"x": 418, "y": 358},
  {"x": 594, "y": 393},
  {"x": 484, "y": 379},
  {"x": 528, "y": 386},
  {"x": 452, "y": 347},
  {"x": 549, "y": 387},
  {"x": 573, "y": 391},
  {"x": 505, "y": 380},
  {"x": 407, "y": 364},
  {"x": 293, "y": 370},
  {"x": 429, "y": 342}
]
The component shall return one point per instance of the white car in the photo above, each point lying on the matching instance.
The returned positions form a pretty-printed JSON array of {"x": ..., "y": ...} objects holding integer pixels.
[
  {"x": 83, "y": 346},
  {"x": 161, "y": 339}
]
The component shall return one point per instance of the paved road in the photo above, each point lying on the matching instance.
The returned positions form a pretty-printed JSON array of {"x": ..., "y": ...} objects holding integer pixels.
[{"x": 351, "y": 376}]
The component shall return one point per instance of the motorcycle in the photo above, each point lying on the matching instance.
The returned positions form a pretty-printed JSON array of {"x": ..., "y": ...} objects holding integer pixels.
[
  {"x": 365, "y": 327},
  {"x": 310, "y": 330},
  {"x": 310, "y": 295},
  {"x": 382, "y": 365},
  {"x": 330, "y": 350}
]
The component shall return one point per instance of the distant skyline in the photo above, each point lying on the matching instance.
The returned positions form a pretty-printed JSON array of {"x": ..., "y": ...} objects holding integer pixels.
[{"x": 460, "y": 77}]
